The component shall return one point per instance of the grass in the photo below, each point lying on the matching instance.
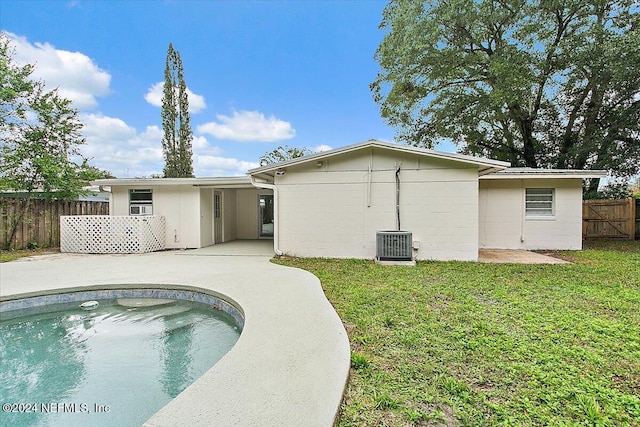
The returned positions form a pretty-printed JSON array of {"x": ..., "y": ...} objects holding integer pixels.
[
  {"x": 12, "y": 255},
  {"x": 453, "y": 343}
]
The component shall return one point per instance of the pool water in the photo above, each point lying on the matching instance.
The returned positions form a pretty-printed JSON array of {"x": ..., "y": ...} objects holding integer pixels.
[{"x": 115, "y": 365}]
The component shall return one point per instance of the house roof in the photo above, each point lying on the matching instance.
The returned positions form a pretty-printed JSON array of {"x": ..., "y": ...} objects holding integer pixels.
[
  {"x": 487, "y": 168},
  {"x": 526, "y": 173},
  {"x": 484, "y": 165},
  {"x": 220, "y": 182}
]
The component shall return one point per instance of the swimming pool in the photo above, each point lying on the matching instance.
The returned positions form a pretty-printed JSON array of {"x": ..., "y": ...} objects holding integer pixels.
[{"x": 116, "y": 364}]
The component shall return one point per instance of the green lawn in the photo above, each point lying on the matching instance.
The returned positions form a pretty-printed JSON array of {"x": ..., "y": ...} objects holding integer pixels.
[
  {"x": 454, "y": 343},
  {"x": 11, "y": 255}
]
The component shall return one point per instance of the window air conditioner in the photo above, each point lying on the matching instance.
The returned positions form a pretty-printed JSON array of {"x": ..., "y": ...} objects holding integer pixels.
[{"x": 140, "y": 210}]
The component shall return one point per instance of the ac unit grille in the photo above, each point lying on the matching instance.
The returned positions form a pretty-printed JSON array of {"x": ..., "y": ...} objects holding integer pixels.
[
  {"x": 140, "y": 210},
  {"x": 394, "y": 245}
]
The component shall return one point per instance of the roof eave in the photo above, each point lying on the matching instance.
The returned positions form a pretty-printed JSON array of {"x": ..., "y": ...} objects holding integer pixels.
[
  {"x": 490, "y": 170},
  {"x": 485, "y": 164},
  {"x": 197, "y": 182},
  {"x": 547, "y": 174}
]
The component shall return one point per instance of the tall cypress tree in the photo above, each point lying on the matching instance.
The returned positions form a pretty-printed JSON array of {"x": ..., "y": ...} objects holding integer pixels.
[{"x": 176, "y": 144}]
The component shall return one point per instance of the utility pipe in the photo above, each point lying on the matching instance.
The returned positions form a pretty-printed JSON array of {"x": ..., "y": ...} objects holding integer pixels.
[
  {"x": 276, "y": 217},
  {"x": 103, "y": 189},
  {"x": 369, "y": 187},
  {"x": 398, "y": 194},
  {"x": 523, "y": 209}
]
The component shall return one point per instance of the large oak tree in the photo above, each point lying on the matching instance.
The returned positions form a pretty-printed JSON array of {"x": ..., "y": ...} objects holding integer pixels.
[{"x": 538, "y": 83}]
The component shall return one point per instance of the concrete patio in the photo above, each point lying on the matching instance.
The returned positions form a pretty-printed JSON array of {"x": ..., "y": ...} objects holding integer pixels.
[
  {"x": 236, "y": 248},
  {"x": 516, "y": 256},
  {"x": 291, "y": 363}
]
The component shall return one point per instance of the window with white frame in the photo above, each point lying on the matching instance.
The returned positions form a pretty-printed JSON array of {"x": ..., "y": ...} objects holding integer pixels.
[
  {"x": 217, "y": 205},
  {"x": 140, "y": 202},
  {"x": 539, "y": 202}
]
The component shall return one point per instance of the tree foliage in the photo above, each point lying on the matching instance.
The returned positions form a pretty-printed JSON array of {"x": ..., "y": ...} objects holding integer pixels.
[
  {"x": 538, "y": 83},
  {"x": 176, "y": 144},
  {"x": 613, "y": 190},
  {"x": 40, "y": 139},
  {"x": 14, "y": 88},
  {"x": 282, "y": 153},
  {"x": 40, "y": 131}
]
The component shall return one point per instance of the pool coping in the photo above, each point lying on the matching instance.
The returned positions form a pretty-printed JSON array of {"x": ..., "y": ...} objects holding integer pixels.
[
  {"x": 19, "y": 302},
  {"x": 290, "y": 365}
]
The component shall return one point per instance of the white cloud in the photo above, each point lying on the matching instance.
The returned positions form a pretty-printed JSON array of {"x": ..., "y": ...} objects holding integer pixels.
[
  {"x": 201, "y": 143},
  {"x": 75, "y": 74},
  {"x": 121, "y": 149},
  {"x": 111, "y": 143},
  {"x": 248, "y": 126},
  {"x": 154, "y": 94},
  {"x": 322, "y": 147},
  {"x": 125, "y": 152},
  {"x": 154, "y": 97},
  {"x": 109, "y": 128},
  {"x": 221, "y": 166}
]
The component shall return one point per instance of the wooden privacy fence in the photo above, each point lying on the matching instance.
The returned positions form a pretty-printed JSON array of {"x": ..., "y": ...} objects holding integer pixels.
[
  {"x": 610, "y": 219},
  {"x": 40, "y": 225},
  {"x": 637, "y": 218}
]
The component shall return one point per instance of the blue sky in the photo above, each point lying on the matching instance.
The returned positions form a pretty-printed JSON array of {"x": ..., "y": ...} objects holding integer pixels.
[{"x": 261, "y": 74}]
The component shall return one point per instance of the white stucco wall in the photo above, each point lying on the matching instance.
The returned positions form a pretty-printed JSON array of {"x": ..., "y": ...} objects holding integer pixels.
[
  {"x": 188, "y": 211},
  {"x": 504, "y": 225},
  {"x": 331, "y": 211},
  {"x": 230, "y": 213},
  {"x": 179, "y": 204},
  {"x": 206, "y": 217},
  {"x": 247, "y": 213}
]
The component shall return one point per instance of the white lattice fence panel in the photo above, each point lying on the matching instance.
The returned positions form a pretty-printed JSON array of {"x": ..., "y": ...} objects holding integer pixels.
[
  {"x": 152, "y": 233},
  {"x": 103, "y": 234}
]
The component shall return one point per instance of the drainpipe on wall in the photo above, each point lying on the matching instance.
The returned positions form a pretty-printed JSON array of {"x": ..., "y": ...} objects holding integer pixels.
[
  {"x": 276, "y": 218},
  {"x": 523, "y": 209},
  {"x": 103, "y": 189},
  {"x": 398, "y": 166}
]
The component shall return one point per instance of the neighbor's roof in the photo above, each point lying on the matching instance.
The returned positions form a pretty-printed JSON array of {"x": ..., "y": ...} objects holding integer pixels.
[
  {"x": 526, "y": 173},
  {"x": 485, "y": 165},
  {"x": 226, "y": 182}
]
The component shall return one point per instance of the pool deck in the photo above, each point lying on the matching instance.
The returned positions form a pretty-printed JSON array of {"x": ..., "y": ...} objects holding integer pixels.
[{"x": 291, "y": 363}]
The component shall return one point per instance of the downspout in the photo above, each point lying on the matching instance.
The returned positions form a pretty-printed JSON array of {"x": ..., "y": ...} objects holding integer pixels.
[
  {"x": 276, "y": 217},
  {"x": 523, "y": 209},
  {"x": 103, "y": 189},
  {"x": 398, "y": 195},
  {"x": 369, "y": 187}
]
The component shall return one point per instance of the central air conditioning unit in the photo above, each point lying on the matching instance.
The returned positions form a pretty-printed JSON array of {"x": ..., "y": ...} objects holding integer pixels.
[{"x": 394, "y": 245}]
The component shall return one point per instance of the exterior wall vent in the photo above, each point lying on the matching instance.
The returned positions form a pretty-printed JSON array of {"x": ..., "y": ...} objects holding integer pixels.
[{"x": 394, "y": 245}]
